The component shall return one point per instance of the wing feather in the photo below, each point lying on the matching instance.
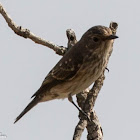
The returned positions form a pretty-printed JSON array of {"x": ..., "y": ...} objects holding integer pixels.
[{"x": 65, "y": 70}]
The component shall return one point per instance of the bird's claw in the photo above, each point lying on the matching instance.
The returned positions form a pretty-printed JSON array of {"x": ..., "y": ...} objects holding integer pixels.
[
  {"x": 85, "y": 114},
  {"x": 107, "y": 69}
]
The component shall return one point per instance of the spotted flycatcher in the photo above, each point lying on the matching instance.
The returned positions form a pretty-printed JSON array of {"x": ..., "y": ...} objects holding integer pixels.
[{"x": 78, "y": 69}]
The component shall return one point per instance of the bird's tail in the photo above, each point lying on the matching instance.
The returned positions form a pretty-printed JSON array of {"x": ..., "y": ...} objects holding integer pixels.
[{"x": 34, "y": 102}]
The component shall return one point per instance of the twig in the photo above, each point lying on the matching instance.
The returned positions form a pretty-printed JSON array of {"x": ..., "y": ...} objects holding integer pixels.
[
  {"x": 71, "y": 38},
  {"x": 27, "y": 34}
]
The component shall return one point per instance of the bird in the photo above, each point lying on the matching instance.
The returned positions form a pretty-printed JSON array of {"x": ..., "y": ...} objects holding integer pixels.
[{"x": 80, "y": 66}]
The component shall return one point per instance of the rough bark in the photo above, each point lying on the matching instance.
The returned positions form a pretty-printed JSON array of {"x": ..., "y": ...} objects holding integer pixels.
[{"x": 86, "y": 101}]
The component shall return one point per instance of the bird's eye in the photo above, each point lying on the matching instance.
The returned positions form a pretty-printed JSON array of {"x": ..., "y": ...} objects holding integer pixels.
[{"x": 95, "y": 39}]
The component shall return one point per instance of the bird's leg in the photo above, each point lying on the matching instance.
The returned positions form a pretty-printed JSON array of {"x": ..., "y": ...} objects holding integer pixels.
[
  {"x": 71, "y": 100},
  {"x": 107, "y": 69}
]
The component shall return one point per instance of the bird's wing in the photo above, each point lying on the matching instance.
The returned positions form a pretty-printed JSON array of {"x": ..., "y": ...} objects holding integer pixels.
[{"x": 64, "y": 70}]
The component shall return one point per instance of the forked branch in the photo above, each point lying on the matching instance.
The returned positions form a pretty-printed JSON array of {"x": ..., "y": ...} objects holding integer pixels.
[{"x": 86, "y": 100}]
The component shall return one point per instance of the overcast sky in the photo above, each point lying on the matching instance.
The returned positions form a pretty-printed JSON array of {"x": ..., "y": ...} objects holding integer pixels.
[{"x": 24, "y": 65}]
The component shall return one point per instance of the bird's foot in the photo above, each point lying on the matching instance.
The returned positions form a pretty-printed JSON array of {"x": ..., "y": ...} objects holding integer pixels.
[{"x": 85, "y": 114}]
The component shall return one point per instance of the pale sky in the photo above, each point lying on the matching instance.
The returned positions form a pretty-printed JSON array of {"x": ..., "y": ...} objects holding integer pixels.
[{"x": 25, "y": 64}]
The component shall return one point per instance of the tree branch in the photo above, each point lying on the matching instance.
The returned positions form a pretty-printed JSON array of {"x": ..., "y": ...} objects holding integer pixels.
[
  {"x": 27, "y": 34},
  {"x": 86, "y": 100}
]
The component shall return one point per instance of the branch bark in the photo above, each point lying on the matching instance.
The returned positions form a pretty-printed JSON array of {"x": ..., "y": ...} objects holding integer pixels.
[
  {"x": 27, "y": 34},
  {"x": 86, "y": 100}
]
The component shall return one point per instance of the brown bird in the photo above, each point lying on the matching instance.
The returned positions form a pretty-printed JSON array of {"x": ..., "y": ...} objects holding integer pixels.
[{"x": 77, "y": 69}]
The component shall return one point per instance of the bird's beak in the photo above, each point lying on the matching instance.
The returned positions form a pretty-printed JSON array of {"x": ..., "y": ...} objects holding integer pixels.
[{"x": 112, "y": 37}]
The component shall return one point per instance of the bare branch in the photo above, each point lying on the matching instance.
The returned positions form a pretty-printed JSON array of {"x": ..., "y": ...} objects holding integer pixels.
[
  {"x": 86, "y": 101},
  {"x": 79, "y": 129},
  {"x": 71, "y": 38},
  {"x": 93, "y": 127},
  {"x": 27, "y": 34},
  {"x": 82, "y": 124}
]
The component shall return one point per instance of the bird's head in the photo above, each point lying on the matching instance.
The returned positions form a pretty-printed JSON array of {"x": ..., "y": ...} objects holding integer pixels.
[{"x": 98, "y": 37}]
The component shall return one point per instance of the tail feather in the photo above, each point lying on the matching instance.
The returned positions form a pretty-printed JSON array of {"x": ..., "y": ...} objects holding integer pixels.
[{"x": 34, "y": 102}]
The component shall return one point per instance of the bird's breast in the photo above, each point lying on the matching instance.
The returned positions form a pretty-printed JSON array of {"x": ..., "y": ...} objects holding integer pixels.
[{"x": 88, "y": 73}]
